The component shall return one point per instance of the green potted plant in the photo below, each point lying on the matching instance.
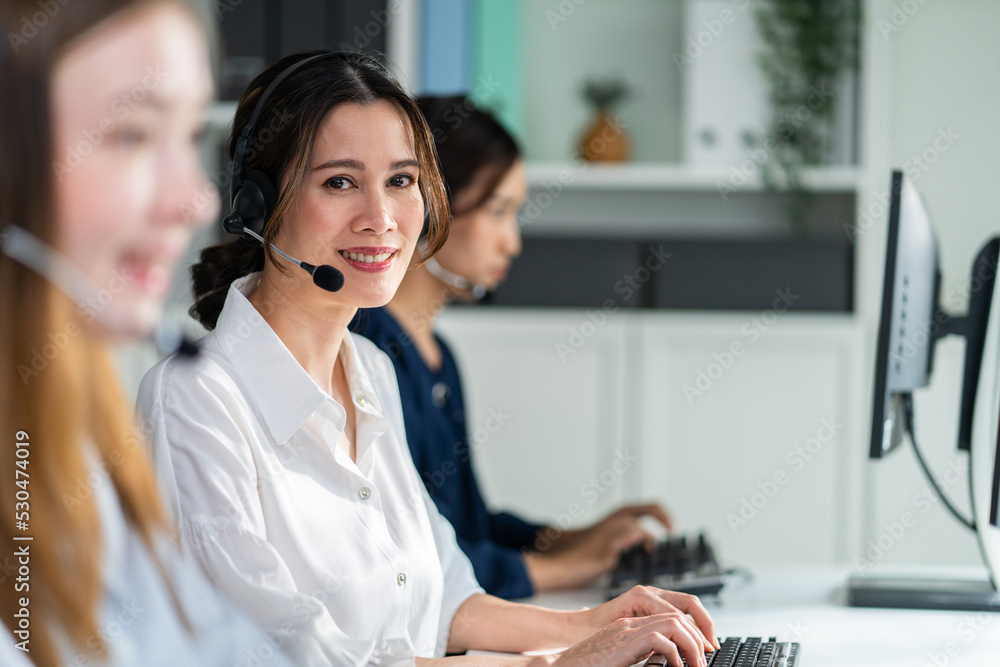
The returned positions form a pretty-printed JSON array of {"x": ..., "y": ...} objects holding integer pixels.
[{"x": 809, "y": 45}]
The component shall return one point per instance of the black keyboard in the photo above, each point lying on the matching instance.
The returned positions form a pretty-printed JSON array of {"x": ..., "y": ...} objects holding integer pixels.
[
  {"x": 678, "y": 563},
  {"x": 749, "y": 652}
]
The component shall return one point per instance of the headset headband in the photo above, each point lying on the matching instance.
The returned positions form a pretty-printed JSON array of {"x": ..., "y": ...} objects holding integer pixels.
[{"x": 239, "y": 154}]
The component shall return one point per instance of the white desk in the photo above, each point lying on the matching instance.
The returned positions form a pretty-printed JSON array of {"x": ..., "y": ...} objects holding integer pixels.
[{"x": 807, "y": 606}]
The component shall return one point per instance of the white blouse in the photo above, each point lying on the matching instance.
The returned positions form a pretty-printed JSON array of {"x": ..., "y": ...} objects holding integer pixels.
[
  {"x": 140, "y": 616},
  {"x": 342, "y": 563}
]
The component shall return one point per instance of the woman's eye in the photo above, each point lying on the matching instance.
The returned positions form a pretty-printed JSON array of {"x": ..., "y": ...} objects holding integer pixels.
[
  {"x": 338, "y": 183},
  {"x": 130, "y": 138},
  {"x": 402, "y": 180}
]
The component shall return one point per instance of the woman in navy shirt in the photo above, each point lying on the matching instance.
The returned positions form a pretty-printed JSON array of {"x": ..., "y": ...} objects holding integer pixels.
[{"x": 485, "y": 174}]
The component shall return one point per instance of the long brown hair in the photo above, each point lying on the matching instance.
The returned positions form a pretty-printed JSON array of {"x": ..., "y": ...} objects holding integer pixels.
[
  {"x": 285, "y": 133},
  {"x": 59, "y": 392}
]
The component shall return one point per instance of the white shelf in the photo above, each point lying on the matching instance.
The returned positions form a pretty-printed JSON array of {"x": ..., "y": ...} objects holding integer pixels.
[{"x": 676, "y": 177}]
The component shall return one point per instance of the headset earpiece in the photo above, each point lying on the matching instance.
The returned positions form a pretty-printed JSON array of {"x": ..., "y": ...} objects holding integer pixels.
[{"x": 254, "y": 202}]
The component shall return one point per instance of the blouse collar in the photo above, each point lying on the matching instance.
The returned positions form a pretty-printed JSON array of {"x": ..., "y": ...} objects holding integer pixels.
[{"x": 285, "y": 394}]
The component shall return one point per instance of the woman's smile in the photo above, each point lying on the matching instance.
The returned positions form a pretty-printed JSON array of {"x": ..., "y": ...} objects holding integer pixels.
[{"x": 369, "y": 259}]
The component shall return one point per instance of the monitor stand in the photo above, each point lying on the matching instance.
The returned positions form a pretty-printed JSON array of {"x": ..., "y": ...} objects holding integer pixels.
[{"x": 922, "y": 593}]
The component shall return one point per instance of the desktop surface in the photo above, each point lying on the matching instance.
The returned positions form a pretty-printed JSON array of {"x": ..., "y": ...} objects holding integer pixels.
[{"x": 808, "y": 606}]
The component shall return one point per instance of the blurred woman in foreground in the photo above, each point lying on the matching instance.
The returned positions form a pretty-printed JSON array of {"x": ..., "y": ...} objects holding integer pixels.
[{"x": 99, "y": 165}]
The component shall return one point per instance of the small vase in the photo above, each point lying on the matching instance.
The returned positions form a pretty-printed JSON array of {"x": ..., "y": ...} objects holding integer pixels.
[{"x": 605, "y": 140}]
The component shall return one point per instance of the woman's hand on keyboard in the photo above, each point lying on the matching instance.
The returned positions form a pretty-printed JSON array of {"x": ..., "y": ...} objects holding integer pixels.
[
  {"x": 640, "y": 601},
  {"x": 627, "y": 641}
]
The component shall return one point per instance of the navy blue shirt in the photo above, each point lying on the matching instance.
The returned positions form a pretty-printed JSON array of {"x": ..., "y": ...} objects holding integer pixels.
[{"x": 434, "y": 414}]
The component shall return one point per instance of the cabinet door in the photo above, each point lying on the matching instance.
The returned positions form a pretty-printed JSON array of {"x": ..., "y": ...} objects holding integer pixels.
[
  {"x": 750, "y": 429},
  {"x": 555, "y": 454}
]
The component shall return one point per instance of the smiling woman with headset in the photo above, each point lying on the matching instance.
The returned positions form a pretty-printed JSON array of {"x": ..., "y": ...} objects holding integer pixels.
[{"x": 284, "y": 451}]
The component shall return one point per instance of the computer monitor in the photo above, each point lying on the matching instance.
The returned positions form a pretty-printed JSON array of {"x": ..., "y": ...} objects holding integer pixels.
[
  {"x": 905, "y": 352},
  {"x": 912, "y": 322}
]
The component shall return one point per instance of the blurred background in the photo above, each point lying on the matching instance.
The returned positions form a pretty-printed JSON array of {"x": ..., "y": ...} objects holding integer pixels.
[{"x": 693, "y": 317}]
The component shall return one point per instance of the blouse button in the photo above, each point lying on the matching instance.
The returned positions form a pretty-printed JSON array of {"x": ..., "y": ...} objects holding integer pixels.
[
  {"x": 362, "y": 401},
  {"x": 401, "y": 578},
  {"x": 365, "y": 493}
]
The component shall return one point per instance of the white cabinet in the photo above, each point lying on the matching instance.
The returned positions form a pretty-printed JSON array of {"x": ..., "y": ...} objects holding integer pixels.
[
  {"x": 554, "y": 453},
  {"x": 611, "y": 421}
]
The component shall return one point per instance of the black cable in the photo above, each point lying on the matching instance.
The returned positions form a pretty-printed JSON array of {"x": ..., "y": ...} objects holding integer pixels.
[{"x": 908, "y": 416}]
